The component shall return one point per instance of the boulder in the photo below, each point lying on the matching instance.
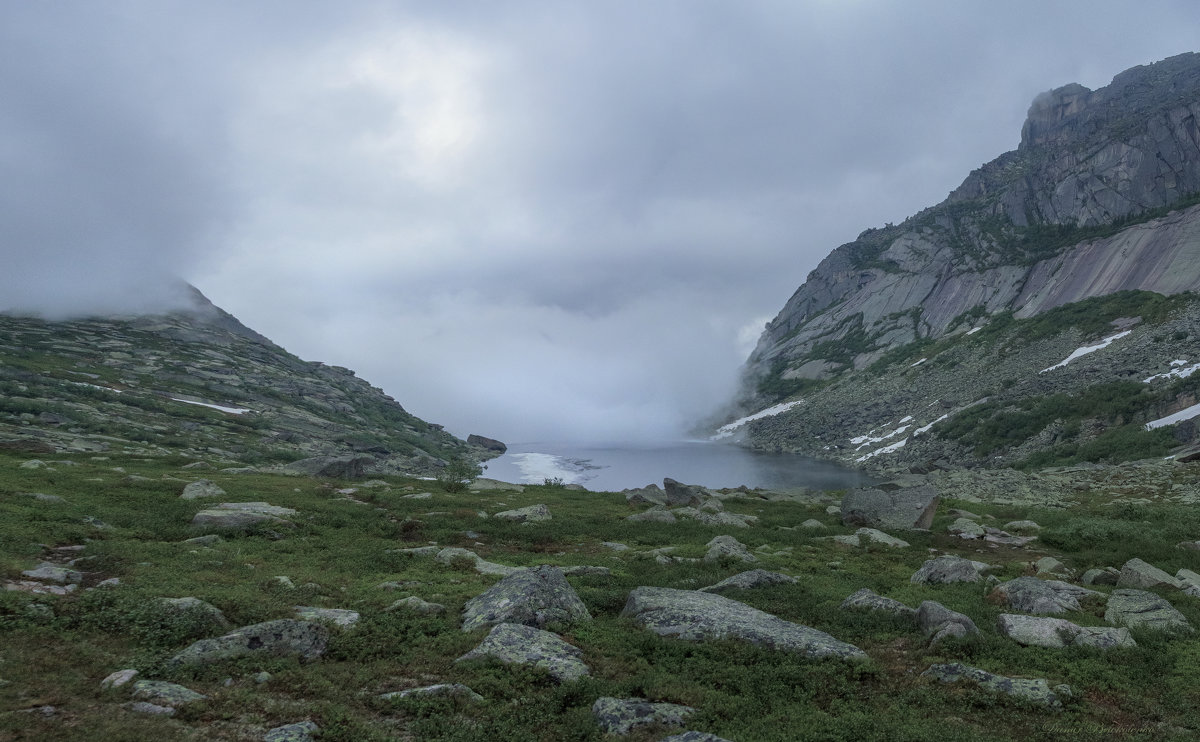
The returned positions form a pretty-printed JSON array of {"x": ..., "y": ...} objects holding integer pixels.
[
  {"x": 938, "y": 622},
  {"x": 333, "y": 467},
  {"x": 201, "y": 488},
  {"x": 206, "y": 616},
  {"x": 451, "y": 554},
  {"x": 1139, "y": 609},
  {"x": 1022, "y": 526},
  {"x": 1139, "y": 574},
  {"x": 532, "y": 597},
  {"x": 241, "y": 515},
  {"x": 1054, "y": 633},
  {"x": 749, "y": 580},
  {"x": 966, "y": 528},
  {"x": 458, "y": 690},
  {"x": 867, "y": 600},
  {"x": 416, "y": 605},
  {"x": 696, "y": 616},
  {"x": 530, "y": 514},
  {"x": 494, "y": 485},
  {"x": 332, "y": 616},
  {"x": 736, "y": 520},
  {"x": 1033, "y": 595},
  {"x": 50, "y": 572},
  {"x": 1101, "y": 576},
  {"x": 656, "y": 514},
  {"x": 118, "y": 678},
  {"x": 648, "y": 495},
  {"x": 812, "y": 524},
  {"x": 301, "y": 731},
  {"x": 165, "y": 694},
  {"x": 524, "y": 645},
  {"x": 488, "y": 444},
  {"x": 728, "y": 547},
  {"x": 678, "y": 493},
  {"x": 946, "y": 569},
  {"x": 623, "y": 715},
  {"x": 1051, "y": 567},
  {"x": 875, "y": 536},
  {"x": 910, "y": 508},
  {"x": 1035, "y": 690},
  {"x": 281, "y": 638}
]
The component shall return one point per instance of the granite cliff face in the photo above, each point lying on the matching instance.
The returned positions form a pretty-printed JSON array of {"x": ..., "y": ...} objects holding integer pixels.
[
  {"x": 198, "y": 383},
  {"x": 1102, "y": 196}
]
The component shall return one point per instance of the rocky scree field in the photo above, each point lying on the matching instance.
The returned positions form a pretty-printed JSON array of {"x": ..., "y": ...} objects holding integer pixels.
[{"x": 255, "y": 605}]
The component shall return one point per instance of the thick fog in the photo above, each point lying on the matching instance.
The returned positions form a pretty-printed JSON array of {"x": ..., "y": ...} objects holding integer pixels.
[{"x": 530, "y": 220}]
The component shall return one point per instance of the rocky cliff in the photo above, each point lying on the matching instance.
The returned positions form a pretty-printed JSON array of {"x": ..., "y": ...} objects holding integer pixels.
[
  {"x": 1102, "y": 196},
  {"x": 197, "y": 382}
]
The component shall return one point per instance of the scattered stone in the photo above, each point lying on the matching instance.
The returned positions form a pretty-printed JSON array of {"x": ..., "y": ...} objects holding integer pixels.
[
  {"x": 532, "y": 597},
  {"x": 261, "y": 678},
  {"x": 1188, "y": 545},
  {"x": 280, "y": 638},
  {"x": 40, "y": 497},
  {"x": 1022, "y": 526},
  {"x": 939, "y": 622},
  {"x": 648, "y": 495},
  {"x": 1036, "y": 690},
  {"x": 50, "y": 572},
  {"x": 678, "y": 493},
  {"x": 966, "y": 528},
  {"x": 873, "y": 536},
  {"x": 417, "y": 496},
  {"x": 334, "y": 467},
  {"x": 39, "y": 588},
  {"x": 493, "y": 485},
  {"x": 1004, "y": 538},
  {"x": 211, "y": 539},
  {"x": 301, "y": 731},
  {"x": 867, "y": 600},
  {"x": 910, "y": 508},
  {"x": 144, "y": 707},
  {"x": 1139, "y": 609},
  {"x": 517, "y": 644},
  {"x": 206, "y": 615},
  {"x": 833, "y": 510},
  {"x": 333, "y": 616},
  {"x": 118, "y": 678},
  {"x": 285, "y": 582},
  {"x": 623, "y": 715},
  {"x": 728, "y": 547},
  {"x": 201, "y": 488},
  {"x": 749, "y": 580},
  {"x": 490, "y": 444},
  {"x": 812, "y": 524},
  {"x": 450, "y": 555},
  {"x": 197, "y": 465},
  {"x": 1137, "y": 573},
  {"x": 586, "y": 570},
  {"x": 421, "y": 551},
  {"x": 531, "y": 514},
  {"x": 33, "y": 464},
  {"x": 1190, "y": 582},
  {"x": 1033, "y": 595},
  {"x": 947, "y": 569},
  {"x": 457, "y": 690},
  {"x": 416, "y": 605},
  {"x": 241, "y": 515},
  {"x": 1104, "y": 576},
  {"x": 1053, "y": 633},
  {"x": 1051, "y": 566},
  {"x": 614, "y": 545},
  {"x": 958, "y": 513},
  {"x": 736, "y": 520},
  {"x": 695, "y": 616},
  {"x": 165, "y": 694},
  {"x": 656, "y": 514}
]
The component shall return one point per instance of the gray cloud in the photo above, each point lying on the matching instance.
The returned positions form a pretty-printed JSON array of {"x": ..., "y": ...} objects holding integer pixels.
[{"x": 523, "y": 219}]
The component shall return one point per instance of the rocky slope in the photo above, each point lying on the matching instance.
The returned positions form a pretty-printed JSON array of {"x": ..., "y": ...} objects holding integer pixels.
[
  {"x": 1099, "y": 198},
  {"x": 199, "y": 383}
]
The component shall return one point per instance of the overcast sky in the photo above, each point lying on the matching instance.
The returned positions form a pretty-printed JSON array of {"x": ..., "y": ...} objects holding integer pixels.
[{"x": 531, "y": 220}]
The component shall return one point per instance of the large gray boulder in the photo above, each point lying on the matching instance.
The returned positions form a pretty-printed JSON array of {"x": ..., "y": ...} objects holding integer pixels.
[
  {"x": 749, "y": 580},
  {"x": 280, "y": 638},
  {"x": 648, "y": 495},
  {"x": 909, "y": 508},
  {"x": 678, "y": 493},
  {"x": 524, "y": 645},
  {"x": 938, "y": 622},
  {"x": 728, "y": 547},
  {"x": 231, "y": 516},
  {"x": 1036, "y": 690},
  {"x": 530, "y": 514},
  {"x": 165, "y": 694},
  {"x": 458, "y": 690},
  {"x": 946, "y": 569},
  {"x": 1033, "y": 595},
  {"x": 696, "y": 616},
  {"x": 1139, "y": 609},
  {"x": 1139, "y": 574},
  {"x": 51, "y": 572},
  {"x": 1054, "y": 633},
  {"x": 623, "y": 715},
  {"x": 532, "y": 597},
  {"x": 452, "y": 554},
  {"x": 340, "y": 617},
  {"x": 201, "y": 488},
  {"x": 489, "y": 444},
  {"x": 205, "y": 616},
  {"x": 334, "y": 467},
  {"x": 867, "y": 600},
  {"x": 301, "y": 731}
]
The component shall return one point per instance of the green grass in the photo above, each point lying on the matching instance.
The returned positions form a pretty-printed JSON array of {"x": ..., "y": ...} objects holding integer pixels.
[{"x": 342, "y": 550}]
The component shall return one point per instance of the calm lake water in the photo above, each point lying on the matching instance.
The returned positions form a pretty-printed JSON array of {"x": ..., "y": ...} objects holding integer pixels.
[{"x": 605, "y": 468}]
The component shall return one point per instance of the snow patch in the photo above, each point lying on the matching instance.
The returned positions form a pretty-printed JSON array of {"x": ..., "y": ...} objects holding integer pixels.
[
  {"x": 728, "y": 429},
  {"x": 862, "y": 441},
  {"x": 1080, "y": 352},
  {"x": 925, "y": 428},
  {"x": 974, "y": 330},
  {"x": 1178, "y": 417},
  {"x": 880, "y": 451},
  {"x": 918, "y": 363},
  {"x": 222, "y": 408},
  {"x": 1177, "y": 372}
]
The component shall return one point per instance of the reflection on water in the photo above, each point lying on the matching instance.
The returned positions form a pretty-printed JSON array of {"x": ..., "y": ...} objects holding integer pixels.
[{"x": 716, "y": 465}]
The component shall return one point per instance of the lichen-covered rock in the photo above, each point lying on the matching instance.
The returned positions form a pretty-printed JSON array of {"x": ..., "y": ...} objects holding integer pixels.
[
  {"x": 904, "y": 509},
  {"x": 1101, "y": 576},
  {"x": 1053, "y": 633},
  {"x": 623, "y": 715},
  {"x": 696, "y": 616},
  {"x": 867, "y": 600},
  {"x": 966, "y": 528},
  {"x": 1036, "y": 690},
  {"x": 334, "y": 467},
  {"x": 1051, "y": 567},
  {"x": 524, "y": 645},
  {"x": 1033, "y": 595},
  {"x": 118, "y": 678},
  {"x": 416, "y": 605},
  {"x": 301, "y": 731},
  {"x": 749, "y": 580},
  {"x": 201, "y": 488},
  {"x": 531, "y": 597},
  {"x": 649, "y": 495},
  {"x": 50, "y": 572},
  {"x": 441, "y": 689},
  {"x": 241, "y": 515},
  {"x": 333, "y": 616},
  {"x": 728, "y": 547},
  {"x": 656, "y": 514},
  {"x": 875, "y": 536},
  {"x": 1022, "y": 526},
  {"x": 678, "y": 493},
  {"x": 736, "y": 520},
  {"x": 452, "y": 554},
  {"x": 281, "y": 638},
  {"x": 939, "y": 622},
  {"x": 1139, "y": 574},
  {"x": 946, "y": 569},
  {"x": 1139, "y": 609},
  {"x": 165, "y": 694},
  {"x": 531, "y": 514},
  {"x": 204, "y": 617}
]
